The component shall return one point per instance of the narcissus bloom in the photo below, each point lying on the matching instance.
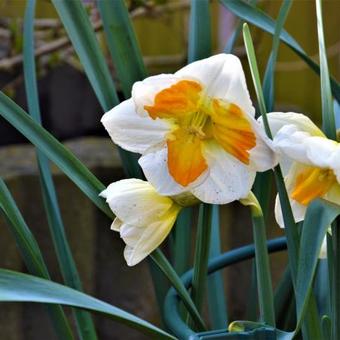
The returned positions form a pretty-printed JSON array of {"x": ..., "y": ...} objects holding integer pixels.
[
  {"x": 311, "y": 162},
  {"x": 143, "y": 217},
  {"x": 195, "y": 130}
]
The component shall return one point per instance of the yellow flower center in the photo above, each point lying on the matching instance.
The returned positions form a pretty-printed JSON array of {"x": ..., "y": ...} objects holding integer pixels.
[
  {"x": 312, "y": 183},
  {"x": 199, "y": 118}
]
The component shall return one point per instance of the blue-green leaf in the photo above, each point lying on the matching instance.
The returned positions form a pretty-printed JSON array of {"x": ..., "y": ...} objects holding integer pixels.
[
  {"x": 199, "y": 31},
  {"x": 67, "y": 265},
  {"x": 122, "y": 43},
  {"x": 319, "y": 216},
  {"x": 260, "y": 19},
  {"x": 31, "y": 255},
  {"x": 18, "y": 287}
]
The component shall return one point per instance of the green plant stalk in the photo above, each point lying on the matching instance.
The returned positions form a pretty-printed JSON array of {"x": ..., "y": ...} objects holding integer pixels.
[
  {"x": 31, "y": 255},
  {"x": 201, "y": 255},
  {"x": 182, "y": 244},
  {"x": 85, "y": 326},
  {"x": 289, "y": 222},
  {"x": 216, "y": 300},
  {"x": 264, "y": 281}
]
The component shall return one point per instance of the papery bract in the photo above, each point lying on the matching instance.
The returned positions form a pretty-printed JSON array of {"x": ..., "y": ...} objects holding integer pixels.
[{"x": 195, "y": 130}]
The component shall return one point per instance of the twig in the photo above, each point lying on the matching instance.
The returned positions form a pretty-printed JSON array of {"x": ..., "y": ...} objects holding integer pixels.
[{"x": 48, "y": 48}]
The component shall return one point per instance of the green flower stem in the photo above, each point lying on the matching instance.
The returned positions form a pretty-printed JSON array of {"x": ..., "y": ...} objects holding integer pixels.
[
  {"x": 199, "y": 279},
  {"x": 264, "y": 281},
  {"x": 311, "y": 326}
]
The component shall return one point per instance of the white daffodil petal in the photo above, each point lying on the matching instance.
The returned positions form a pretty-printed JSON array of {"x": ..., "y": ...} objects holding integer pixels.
[
  {"x": 136, "y": 202},
  {"x": 322, "y": 152},
  {"x": 298, "y": 210},
  {"x": 290, "y": 142},
  {"x": 262, "y": 156},
  {"x": 228, "y": 180},
  {"x": 279, "y": 119},
  {"x": 132, "y": 132},
  {"x": 141, "y": 241},
  {"x": 155, "y": 168},
  {"x": 144, "y": 92},
  {"x": 223, "y": 78},
  {"x": 116, "y": 224}
]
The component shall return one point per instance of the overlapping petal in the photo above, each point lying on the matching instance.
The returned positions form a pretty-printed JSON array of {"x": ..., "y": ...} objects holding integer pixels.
[
  {"x": 223, "y": 77},
  {"x": 132, "y": 132},
  {"x": 228, "y": 179}
]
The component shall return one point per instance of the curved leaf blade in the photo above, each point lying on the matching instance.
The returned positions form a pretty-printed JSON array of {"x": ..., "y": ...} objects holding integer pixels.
[
  {"x": 31, "y": 254},
  {"x": 199, "y": 31},
  {"x": 55, "y": 151},
  {"x": 85, "y": 326},
  {"x": 260, "y": 19},
  {"x": 319, "y": 216},
  {"x": 18, "y": 287},
  {"x": 78, "y": 26},
  {"x": 122, "y": 43}
]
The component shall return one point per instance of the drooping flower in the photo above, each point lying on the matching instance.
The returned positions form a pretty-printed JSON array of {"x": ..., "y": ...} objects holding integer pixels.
[
  {"x": 311, "y": 162},
  {"x": 143, "y": 217},
  {"x": 195, "y": 130}
]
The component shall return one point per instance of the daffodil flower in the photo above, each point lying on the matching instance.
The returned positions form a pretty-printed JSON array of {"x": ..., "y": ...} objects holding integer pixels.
[
  {"x": 143, "y": 217},
  {"x": 311, "y": 162},
  {"x": 195, "y": 130}
]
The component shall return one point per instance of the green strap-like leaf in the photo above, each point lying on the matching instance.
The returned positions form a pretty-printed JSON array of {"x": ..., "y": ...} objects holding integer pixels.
[
  {"x": 122, "y": 43},
  {"x": 18, "y": 287},
  {"x": 54, "y": 150},
  {"x": 268, "y": 79},
  {"x": 31, "y": 255},
  {"x": 319, "y": 216},
  {"x": 85, "y": 326},
  {"x": 328, "y": 120},
  {"x": 199, "y": 31},
  {"x": 312, "y": 326},
  {"x": 79, "y": 29},
  {"x": 260, "y": 19}
]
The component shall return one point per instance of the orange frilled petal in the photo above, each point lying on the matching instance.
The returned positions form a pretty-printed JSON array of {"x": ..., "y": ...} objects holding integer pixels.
[
  {"x": 176, "y": 101},
  {"x": 232, "y": 130},
  {"x": 312, "y": 183},
  {"x": 185, "y": 159}
]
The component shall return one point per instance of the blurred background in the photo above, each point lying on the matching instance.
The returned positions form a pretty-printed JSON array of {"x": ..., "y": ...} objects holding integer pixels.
[{"x": 71, "y": 113}]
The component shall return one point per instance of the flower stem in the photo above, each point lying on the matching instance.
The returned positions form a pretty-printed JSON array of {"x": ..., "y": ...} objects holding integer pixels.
[
  {"x": 201, "y": 255},
  {"x": 264, "y": 281}
]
